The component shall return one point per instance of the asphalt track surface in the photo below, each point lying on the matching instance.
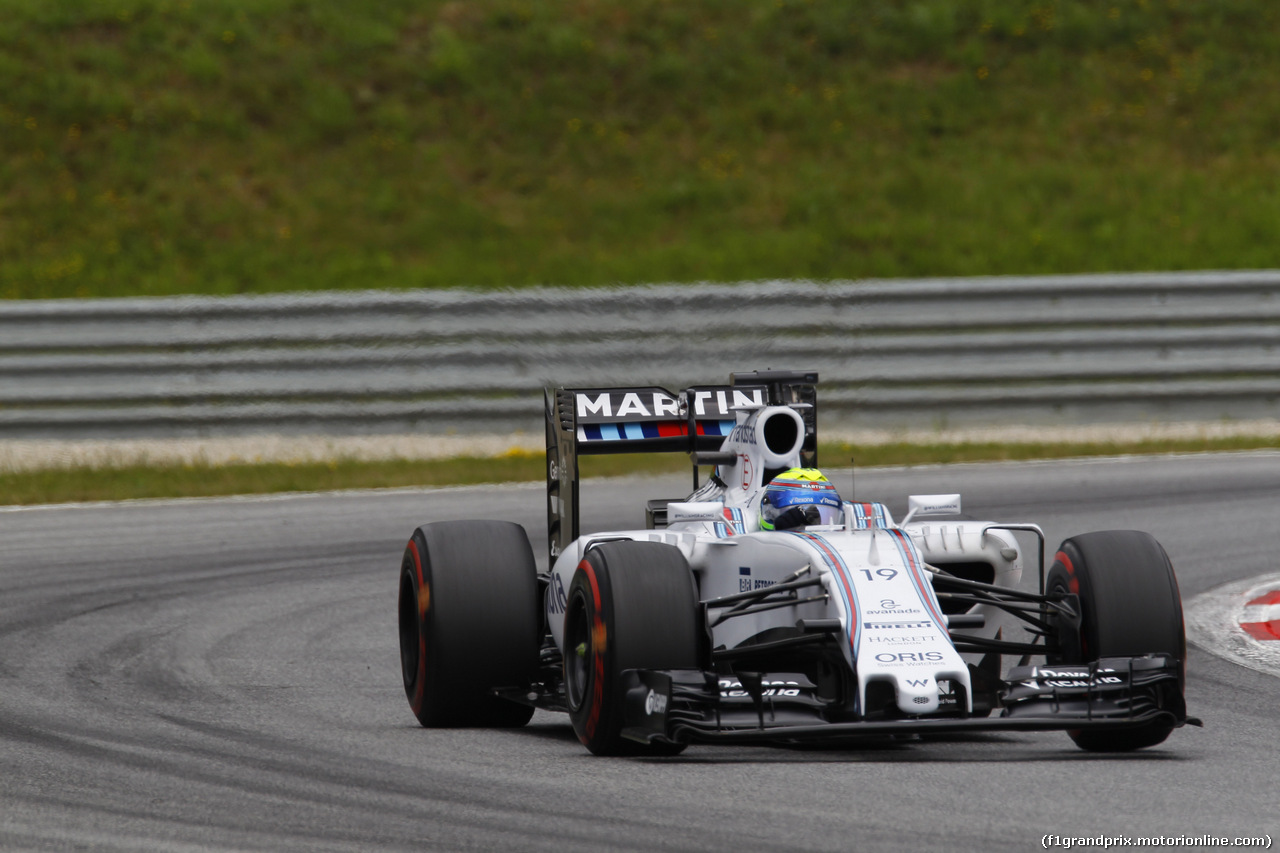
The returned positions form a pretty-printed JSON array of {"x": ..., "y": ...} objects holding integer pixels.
[{"x": 224, "y": 674}]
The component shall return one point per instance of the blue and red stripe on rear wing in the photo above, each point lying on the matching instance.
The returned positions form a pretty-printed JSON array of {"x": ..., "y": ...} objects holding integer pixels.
[{"x": 649, "y": 430}]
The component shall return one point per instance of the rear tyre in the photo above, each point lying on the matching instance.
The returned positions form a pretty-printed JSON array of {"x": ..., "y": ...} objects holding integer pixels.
[
  {"x": 631, "y": 605},
  {"x": 1130, "y": 606},
  {"x": 468, "y": 614}
]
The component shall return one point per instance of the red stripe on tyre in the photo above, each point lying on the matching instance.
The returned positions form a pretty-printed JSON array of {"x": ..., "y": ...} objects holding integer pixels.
[
  {"x": 599, "y": 639},
  {"x": 419, "y": 688}
]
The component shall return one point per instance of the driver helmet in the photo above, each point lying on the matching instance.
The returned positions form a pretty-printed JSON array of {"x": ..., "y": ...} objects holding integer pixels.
[{"x": 799, "y": 497}]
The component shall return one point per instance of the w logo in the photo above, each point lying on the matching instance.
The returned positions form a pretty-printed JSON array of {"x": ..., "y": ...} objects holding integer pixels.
[{"x": 918, "y": 682}]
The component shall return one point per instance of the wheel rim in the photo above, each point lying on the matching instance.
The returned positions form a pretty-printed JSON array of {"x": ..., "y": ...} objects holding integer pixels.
[{"x": 577, "y": 640}]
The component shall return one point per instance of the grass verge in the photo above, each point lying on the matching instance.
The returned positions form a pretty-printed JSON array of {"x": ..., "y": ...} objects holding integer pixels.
[
  {"x": 132, "y": 482},
  {"x": 155, "y": 147}
]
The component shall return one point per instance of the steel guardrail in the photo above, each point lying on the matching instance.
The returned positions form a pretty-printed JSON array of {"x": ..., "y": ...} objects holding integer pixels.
[{"x": 897, "y": 354}]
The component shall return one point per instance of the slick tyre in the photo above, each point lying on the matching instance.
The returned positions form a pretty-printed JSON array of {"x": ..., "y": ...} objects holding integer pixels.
[
  {"x": 1130, "y": 606},
  {"x": 468, "y": 614},
  {"x": 631, "y": 605}
]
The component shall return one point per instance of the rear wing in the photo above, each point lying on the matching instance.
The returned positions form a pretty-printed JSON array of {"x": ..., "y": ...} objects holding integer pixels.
[{"x": 696, "y": 420}]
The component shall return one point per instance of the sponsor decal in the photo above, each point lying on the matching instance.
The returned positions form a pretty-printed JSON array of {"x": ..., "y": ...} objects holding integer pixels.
[
  {"x": 744, "y": 433},
  {"x": 717, "y": 401},
  {"x": 886, "y": 626},
  {"x": 656, "y": 403},
  {"x": 556, "y": 598},
  {"x": 869, "y": 515},
  {"x": 747, "y": 480},
  {"x": 704, "y": 511},
  {"x": 1082, "y": 682},
  {"x": 1072, "y": 677},
  {"x": 898, "y": 639},
  {"x": 602, "y": 405},
  {"x": 826, "y": 500},
  {"x": 631, "y": 405},
  {"x": 895, "y": 611},
  {"x": 910, "y": 658},
  {"x": 731, "y": 688},
  {"x": 922, "y": 505},
  {"x": 621, "y": 404},
  {"x": 746, "y": 583},
  {"x": 918, "y": 682},
  {"x": 824, "y": 486},
  {"x": 1069, "y": 671},
  {"x": 655, "y": 703}
]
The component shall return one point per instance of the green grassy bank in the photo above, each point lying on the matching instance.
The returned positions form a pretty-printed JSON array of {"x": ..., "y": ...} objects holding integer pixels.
[
  {"x": 208, "y": 146},
  {"x": 169, "y": 481}
]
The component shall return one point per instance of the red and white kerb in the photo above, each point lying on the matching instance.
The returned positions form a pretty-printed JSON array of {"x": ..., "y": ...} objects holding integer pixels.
[{"x": 1261, "y": 616}]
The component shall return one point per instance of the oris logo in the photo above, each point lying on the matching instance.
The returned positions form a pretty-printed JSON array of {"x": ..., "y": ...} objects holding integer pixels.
[
  {"x": 655, "y": 703},
  {"x": 909, "y": 657}
]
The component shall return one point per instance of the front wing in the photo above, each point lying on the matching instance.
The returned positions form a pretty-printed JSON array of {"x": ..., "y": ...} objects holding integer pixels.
[{"x": 681, "y": 706}]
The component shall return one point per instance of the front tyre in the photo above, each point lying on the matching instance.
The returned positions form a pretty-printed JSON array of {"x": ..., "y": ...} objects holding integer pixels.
[
  {"x": 1130, "y": 606},
  {"x": 631, "y": 605},
  {"x": 468, "y": 617}
]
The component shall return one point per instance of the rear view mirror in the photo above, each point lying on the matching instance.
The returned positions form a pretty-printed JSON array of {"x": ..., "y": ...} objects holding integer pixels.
[{"x": 931, "y": 505}]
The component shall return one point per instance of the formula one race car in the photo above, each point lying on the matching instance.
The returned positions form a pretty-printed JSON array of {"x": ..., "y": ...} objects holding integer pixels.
[{"x": 762, "y": 608}]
